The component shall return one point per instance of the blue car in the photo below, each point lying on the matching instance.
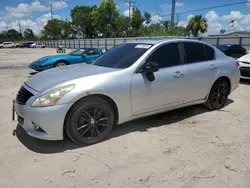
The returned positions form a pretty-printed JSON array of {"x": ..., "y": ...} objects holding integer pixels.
[{"x": 81, "y": 55}]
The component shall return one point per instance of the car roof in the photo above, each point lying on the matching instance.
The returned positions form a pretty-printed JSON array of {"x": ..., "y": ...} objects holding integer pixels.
[{"x": 157, "y": 41}]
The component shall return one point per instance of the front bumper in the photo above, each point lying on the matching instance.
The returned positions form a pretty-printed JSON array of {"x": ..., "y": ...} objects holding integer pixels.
[
  {"x": 40, "y": 67},
  {"x": 49, "y": 119}
]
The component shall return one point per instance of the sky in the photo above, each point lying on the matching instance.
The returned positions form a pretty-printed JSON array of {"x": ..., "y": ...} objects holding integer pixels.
[{"x": 34, "y": 14}]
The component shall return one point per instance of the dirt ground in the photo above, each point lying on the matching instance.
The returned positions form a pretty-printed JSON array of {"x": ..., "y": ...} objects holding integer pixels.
[{"x": 188, "y": 148}]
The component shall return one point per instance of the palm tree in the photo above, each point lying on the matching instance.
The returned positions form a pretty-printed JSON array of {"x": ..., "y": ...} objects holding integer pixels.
[{"x": 197, "y": 25}]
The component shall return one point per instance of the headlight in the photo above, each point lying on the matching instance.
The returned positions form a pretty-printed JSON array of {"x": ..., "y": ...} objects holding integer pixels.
[{"x": 52, "y": 97}]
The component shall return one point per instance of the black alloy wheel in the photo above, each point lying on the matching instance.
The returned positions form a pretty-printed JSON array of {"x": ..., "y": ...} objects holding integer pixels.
[
  {"x": 90, "y": 121},
  {"x": 218, "y": 96}
]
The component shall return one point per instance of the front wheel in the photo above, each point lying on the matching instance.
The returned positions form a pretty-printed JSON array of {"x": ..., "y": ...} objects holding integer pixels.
[
  {"x": 90, "y": 121},
  {"x": 60, "y": 64},
  {"x": 218, "y": 95}
]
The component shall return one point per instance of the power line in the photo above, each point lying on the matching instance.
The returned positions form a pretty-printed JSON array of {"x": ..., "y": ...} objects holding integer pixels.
[{"x": 207, "y": 8}]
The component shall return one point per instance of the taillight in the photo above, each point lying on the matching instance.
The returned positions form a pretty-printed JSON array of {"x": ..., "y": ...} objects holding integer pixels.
[{"x": 238, "y": 64}]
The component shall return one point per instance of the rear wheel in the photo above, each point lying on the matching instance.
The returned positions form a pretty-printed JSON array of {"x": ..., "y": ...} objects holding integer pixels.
[
  {"x": 218, "y": 95},
  {"x": 60, "y": 64},
  {"x": 90, "y": 121}
]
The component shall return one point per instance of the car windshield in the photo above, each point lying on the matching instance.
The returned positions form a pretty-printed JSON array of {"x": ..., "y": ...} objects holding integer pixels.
[
  {"x": 122, "y": 56},
  {"x": 223, "y": 47},
  {"x": 78, "y": 52}
]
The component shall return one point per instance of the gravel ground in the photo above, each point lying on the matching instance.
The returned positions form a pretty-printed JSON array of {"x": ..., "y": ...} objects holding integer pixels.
[{"x": 189, "y": 148}]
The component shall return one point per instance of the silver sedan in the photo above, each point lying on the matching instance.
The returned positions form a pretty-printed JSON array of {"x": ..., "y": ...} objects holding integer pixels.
[{"x": 130, "y": 81}]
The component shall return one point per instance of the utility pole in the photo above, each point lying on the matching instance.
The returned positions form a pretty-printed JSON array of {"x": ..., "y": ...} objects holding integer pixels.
[
  {"x": 173, "y": 12},
  {"x": 129, "y": 6},
  {"x": 20, "y": 29},
  {"x": 51, "y": 12}
]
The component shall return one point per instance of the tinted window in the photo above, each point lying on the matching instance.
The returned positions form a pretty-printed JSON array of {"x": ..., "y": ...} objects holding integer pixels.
[
  {"x": 195, "y": 52},
  {"x": 166, "y": 56},
  {"x": 79, "y": 51},
  {"x": 92, "y": 52},
  {"x": 122, "y": 56},
  {"x": 209, "y": 52}
]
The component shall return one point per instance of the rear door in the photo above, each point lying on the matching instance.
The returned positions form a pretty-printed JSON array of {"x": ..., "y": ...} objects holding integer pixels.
[{"x": 201, "y": 69}]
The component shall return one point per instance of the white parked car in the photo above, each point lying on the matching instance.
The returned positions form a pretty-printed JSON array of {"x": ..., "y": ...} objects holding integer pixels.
[
  {"x": 244, "y": 62},
  {"x": 37, "y": 45},
  {"x": 7, "y": 45}
]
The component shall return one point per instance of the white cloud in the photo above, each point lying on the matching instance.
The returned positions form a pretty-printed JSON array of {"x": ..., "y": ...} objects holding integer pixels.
[
  {"x": 43, "y": 20},
  {"x": 156, "y": 19},
  {"x": 245, "y": 20},
  {"x": 184, "y": 23},
  {"x": 2, "y": 26},
  {"x": 25, "y": 10},
  {"x": 179, "y": 4},
  {"x": 211, "y": 16},
  {"x": 232, "y": 15},
  {"x": 59, "y": 5}
]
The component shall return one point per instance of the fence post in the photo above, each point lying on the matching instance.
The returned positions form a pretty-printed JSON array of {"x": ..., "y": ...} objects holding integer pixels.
[
  {"x": 218, "y": 41},
  {"x": 64, "y": 43},
  {"x": 124, "y": 40},
  {"x": 79, "y": 43},
  {"x": 106, "y": 45},
  {"x": 74, "y": 44},
  {"x": 90, "y": 43},
  {"x": 57, "y": 43},
  {"x": 98, "y": 43},
  {"x": 114, "y": 43},
  {"x": 69, "y": 44},
  {"x": 84, "y": 43},
  {"x": 240, "y": 41}
]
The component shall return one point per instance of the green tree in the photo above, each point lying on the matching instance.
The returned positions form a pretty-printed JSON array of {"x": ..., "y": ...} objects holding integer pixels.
[
  {"x": 83, "y": 20},
  {"x": 68, "y": 31},
  {"x": 3, "y": 36},
  {"x": 53, "y": 29},
  {"x": 29, "y": 34},
  {"x": 166, "y": 24},
  {"x": 197, "y": 25},
  {"x": 136, "y": 21},
  {"x": 13, "y": 35},
  {"x": 147, "y": 18},
  {"x": 105, "y": 18},
  {"x": 122, "y": 26}
]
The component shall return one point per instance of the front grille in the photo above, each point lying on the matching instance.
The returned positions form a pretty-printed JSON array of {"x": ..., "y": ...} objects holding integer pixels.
[
  {"x": 23, "y": 96},
  {"x": 245, "y": 71}
]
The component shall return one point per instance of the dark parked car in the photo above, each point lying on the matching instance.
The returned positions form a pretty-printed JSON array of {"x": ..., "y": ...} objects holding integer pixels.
[
  {"x": 233, "y": 50},
  {"x": 26, "y": 44}
]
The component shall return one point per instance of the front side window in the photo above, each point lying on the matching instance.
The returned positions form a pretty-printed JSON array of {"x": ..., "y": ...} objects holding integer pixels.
[
  {"x": 166, "y": 56},
  {"x": 194, "y": 52},
  {"x": 78, "y": 52},
  {"x": 92, "y": 52},
  {"x": 122, "y": 56}
]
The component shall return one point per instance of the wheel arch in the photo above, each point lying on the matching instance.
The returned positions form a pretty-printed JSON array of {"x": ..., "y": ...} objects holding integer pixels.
[
  {"x": 63, "y": 60},
  {"x": 105, "y": 97},
  {"x": 227, "y": 80}
]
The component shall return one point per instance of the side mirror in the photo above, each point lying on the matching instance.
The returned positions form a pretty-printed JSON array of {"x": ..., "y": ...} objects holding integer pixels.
[{"x": 149, "y": 67}]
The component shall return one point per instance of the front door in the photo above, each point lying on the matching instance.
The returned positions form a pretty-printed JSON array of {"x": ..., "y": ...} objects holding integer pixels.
[
  {"x": 168, "y": 87},
  {"x": 92, "y": 54}
]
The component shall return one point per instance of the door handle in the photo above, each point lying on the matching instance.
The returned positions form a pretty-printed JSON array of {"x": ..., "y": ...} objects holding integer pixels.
[
  {"x": 178, "y": 74},
  {"x": 212, "y": 67}
]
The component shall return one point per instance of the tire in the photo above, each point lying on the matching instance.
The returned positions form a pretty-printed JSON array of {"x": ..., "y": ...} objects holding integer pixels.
[
  {"x": 218, "y": 95},
  {"x": 97, "y": 117},
  {"x": 60, "y": 63}
]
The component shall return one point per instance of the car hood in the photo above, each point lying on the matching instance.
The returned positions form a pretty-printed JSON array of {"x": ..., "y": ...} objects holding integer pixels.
[
  {"x": 245, "y": 58},
  {"x": 52, "y": 77},
  {"x": 43, "y": 59}
]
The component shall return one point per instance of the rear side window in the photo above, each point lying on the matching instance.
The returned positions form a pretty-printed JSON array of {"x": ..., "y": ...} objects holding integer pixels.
[
  {"x": 166, "y": 56},
  {"x": 209, "y": 52},
  {"x": 195, "y": 52}
]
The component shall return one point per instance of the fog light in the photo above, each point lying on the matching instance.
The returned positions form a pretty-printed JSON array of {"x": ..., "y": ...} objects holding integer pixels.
[{"x": 35, "y": 126}]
